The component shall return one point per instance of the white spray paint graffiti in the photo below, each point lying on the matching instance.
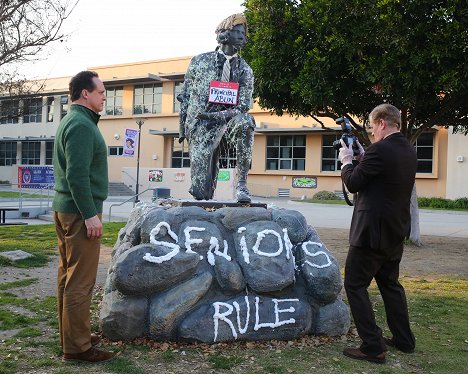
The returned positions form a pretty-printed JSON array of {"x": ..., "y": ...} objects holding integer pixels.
[
  {"x": 260, "y": 236},
  {"x": 223, "y": 316},
  {"x": 175, "y": 247},
  {"x": 318, "y": 253},
  {"x": 214, "y": 248}
]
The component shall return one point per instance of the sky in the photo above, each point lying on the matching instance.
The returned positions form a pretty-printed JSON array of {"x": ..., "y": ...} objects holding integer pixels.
[{"x": 108, "y": 32}]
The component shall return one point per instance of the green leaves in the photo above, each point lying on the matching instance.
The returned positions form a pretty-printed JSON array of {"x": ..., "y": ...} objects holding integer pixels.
[{"x": 313, "y": 54}]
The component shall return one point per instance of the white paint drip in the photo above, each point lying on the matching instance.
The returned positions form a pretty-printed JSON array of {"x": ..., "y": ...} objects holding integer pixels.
[
  {"x": 189, "y": 241},
  {"x": 217, "y": 316},
  {"x": 175, "y": 247},
  {"x": 287, "y": 243},
  {"x": 277, "y": 322},
  {"x": 223, "y": 316},
  {"x": 247, "y": 317},
  {"x": 318, "y": 253}
]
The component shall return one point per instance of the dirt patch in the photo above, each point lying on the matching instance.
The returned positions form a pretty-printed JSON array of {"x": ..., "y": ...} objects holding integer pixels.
[{"x": 439, "y": 255}]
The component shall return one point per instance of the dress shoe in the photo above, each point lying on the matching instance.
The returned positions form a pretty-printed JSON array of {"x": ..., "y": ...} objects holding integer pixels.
[
  {"x": 91, "y": 355},
  {"x": 95, "y": 340},
  {"x": 358, "y": 355},
  {"x": 389, "y": 342}
]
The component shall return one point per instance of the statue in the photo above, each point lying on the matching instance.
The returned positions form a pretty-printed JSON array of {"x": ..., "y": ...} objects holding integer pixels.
[{"x": 215, "y": 99}]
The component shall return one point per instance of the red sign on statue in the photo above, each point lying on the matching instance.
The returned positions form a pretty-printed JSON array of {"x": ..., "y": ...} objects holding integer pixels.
[{"x": 223, "y": 92}]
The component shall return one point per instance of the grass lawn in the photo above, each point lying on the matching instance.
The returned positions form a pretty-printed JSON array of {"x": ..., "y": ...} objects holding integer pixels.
[
  {"x": 13, "y": 194},
  {"x": 437, "y": 309}
]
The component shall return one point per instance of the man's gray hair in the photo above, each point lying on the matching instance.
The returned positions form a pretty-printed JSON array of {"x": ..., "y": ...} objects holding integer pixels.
[{"x": 388, "y": 113}]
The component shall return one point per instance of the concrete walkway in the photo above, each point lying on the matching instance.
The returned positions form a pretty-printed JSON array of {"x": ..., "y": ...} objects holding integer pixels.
[{"x": 432, "y": 222}]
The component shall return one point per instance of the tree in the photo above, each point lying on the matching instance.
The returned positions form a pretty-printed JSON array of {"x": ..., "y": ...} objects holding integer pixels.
[
  {"x": 334, "y": 57},
  {"x": 27, "y": 27}
]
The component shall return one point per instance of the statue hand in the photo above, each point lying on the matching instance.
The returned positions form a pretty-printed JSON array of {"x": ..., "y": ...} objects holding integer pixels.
[{"x": 206, "y": 115}]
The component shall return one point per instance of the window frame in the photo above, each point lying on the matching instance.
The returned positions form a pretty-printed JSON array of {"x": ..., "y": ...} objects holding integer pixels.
[
  {"x": 111, "y": 107},
  {"x": 118, "y": 148},
  {"x": 36, "y": 149},
  {"x": 336, "y": 161},
  {"x": 151, "y": 92},
  {"x": 281, "y": 148},
  {"x": 8, "y": 153}
]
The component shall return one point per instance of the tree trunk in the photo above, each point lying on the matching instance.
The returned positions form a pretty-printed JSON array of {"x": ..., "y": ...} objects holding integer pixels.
[{"x": 415, "y": 234}]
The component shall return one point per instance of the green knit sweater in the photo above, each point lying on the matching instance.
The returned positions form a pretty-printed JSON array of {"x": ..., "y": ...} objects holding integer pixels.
[{"x": 80, "y": 164}]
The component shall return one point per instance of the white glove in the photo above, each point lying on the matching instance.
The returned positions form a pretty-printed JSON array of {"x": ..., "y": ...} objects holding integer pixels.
[
  {"x": 346, "y": 153},
  {"x": 361, "y": 151}
]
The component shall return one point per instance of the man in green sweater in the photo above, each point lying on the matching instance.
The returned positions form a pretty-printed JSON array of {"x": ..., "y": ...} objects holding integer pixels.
[{"x": 81, "y": 182}]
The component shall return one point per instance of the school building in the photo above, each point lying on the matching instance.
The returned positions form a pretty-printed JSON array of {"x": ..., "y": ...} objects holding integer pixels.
[{"x": 292, "y": 156}]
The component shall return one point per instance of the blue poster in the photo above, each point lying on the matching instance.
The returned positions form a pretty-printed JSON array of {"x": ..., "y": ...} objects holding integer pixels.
[{"x": 38, "y": 177}]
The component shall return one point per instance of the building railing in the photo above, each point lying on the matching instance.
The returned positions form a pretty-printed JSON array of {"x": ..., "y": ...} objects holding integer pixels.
[{"x": 126, "y": 201}]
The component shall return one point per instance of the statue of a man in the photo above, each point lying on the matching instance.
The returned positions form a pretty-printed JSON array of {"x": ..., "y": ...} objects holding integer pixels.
[{"x": 215, "y": 98}]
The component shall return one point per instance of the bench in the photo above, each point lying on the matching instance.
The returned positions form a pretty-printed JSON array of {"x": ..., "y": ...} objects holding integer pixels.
[{"x": 3, "y": 211}]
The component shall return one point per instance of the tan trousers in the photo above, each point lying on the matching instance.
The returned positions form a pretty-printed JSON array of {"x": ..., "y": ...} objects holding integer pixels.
[{"x": 77, "y": 269}]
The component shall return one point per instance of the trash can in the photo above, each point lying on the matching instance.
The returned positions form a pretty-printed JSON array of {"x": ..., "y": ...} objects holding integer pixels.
[{"x": 161, "y": 193}]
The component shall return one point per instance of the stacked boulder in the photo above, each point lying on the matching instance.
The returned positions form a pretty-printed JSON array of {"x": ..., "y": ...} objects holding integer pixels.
[{"x": 247, "y": 273}]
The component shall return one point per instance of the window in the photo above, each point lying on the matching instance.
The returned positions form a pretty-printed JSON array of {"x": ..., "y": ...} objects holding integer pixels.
[
  {"x": 7, "y": 153},
  {"x": 180, "y": 154},
  {"x": 49, "y": 152},
  {"x": 177, "y": 90},
  {"x": 227, "y": 157},
  {"x": 32, "y": 110},
  {"x": 50, "y": 108},
  {"x": 63, "y": 106},
  {"x": 285, "y": 152},
  {"x": 330, "y": 160},
  {"x": 181, "y": 158},
  {"x": 30, "y": 153},
  {"x": 9, "y": 111},
  {"x": 425, "y": 150},
  {"x": 115, "y": 151},
  {"x": 147, "y": 98},
  {"x": 114, "y": 98}
]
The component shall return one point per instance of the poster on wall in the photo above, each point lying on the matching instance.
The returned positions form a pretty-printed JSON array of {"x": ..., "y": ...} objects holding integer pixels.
[
  {"x": 224, "y": 176},
  {"x": 37, "y": 177},
  {"x": 179, "y": 177},
  {"x": 304, "y": 182},
  {"x": 130, "y": 141},
  {"x": 155, "y": 176}
]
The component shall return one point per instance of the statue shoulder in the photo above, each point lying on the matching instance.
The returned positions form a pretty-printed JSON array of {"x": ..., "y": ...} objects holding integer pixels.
[{"x": 202, "y": 57}]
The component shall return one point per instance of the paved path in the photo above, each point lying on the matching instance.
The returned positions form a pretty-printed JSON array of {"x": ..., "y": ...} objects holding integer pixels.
[{"x": 432, "y": 222}]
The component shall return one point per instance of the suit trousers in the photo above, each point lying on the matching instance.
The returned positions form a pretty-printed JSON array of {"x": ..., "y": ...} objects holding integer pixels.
[
  {"x": 77, "y": 270},
  {"x": 362, "y": 265}
]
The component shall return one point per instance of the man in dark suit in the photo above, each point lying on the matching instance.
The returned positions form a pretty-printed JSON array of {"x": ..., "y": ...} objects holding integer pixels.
[{"x": 383, "y": 179}]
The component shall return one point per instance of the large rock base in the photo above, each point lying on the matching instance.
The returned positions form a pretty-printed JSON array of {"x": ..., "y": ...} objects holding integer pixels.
[{"x": 187, "y": 273}]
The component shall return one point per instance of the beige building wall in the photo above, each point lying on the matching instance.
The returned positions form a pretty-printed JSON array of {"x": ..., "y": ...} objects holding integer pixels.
[
  {"x": 457, "y": 166},
  {"x": 156, "y": 150}
]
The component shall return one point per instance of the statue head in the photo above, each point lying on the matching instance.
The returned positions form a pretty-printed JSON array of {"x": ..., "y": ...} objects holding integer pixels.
[{"x": 232, "y": 30}]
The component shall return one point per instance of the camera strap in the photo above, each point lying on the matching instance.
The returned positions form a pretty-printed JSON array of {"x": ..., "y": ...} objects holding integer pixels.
[{"x": 345, "y": 195}]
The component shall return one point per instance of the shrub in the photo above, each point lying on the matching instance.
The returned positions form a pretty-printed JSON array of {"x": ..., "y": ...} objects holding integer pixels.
[
  {"x": 441, "y": 203},
  {"x": 325, "y": 195}
]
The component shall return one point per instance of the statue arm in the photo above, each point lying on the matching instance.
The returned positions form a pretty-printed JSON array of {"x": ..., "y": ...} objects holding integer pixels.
[{"x": 244, "y": 103}]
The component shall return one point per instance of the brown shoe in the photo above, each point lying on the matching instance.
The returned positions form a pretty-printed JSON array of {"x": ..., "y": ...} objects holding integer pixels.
[
  {"x": 95, "y": 340},
  {"x": 389, "y": 342},
  {"x": 91, "y": 355},
  {"x": 358, "y": 355}
]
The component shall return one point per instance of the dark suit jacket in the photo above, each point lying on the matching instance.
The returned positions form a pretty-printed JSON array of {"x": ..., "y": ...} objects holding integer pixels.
[{"x": 384, "y": 181}]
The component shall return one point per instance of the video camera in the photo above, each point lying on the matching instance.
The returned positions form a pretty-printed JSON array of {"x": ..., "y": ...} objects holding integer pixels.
[{"x": 347, "y": 136}]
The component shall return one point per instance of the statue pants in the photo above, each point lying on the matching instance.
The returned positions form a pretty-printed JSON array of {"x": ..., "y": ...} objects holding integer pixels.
[{"x": 204, "y": 149}]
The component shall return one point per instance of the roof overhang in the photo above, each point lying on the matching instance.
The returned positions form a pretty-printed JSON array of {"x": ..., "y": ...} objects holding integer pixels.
[
  {"x": 27, "y": 138},
  {"x": 149, "y": 78},
  {"x": 164, "y": 132},
  {"x": 294, "y": 130}
]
